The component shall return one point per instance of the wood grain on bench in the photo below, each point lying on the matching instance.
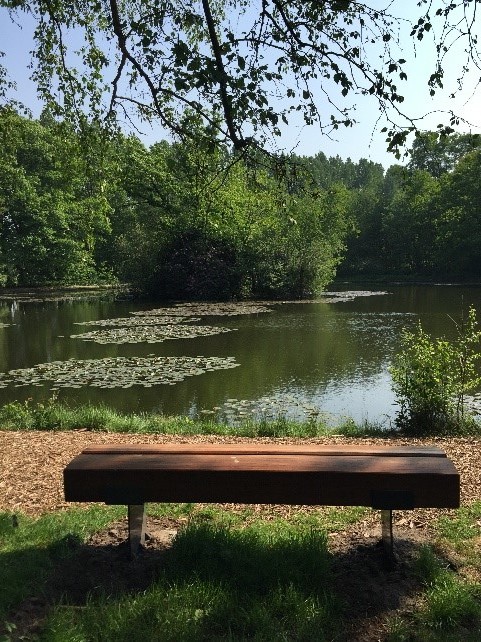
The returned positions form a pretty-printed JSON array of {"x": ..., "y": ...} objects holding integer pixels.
[
  {"x": 252, "y": 473},
  {"x": 264, "y": 449}
]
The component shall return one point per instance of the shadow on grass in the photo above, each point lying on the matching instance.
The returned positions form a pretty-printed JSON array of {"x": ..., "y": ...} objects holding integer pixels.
[{"x": 262, "y": 582}]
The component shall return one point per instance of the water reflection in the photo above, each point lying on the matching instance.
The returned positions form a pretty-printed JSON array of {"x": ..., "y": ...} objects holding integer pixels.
[{"x": 301, "y": 359}]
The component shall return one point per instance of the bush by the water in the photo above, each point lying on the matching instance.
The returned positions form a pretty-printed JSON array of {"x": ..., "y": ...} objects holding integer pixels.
[{"x": 432, "y": 376}]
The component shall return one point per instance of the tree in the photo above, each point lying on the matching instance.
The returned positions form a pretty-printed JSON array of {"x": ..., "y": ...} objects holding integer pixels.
[
  {"x": 240, "y": 66},
  {"x": 365, "y": 245},
  {"x": 409, "y": 224},
  {"x": 438, "y": 155},
  {"x": 317, "y": 227},
  {"x": 52, "y": 209},
  {"x": 426, "y": 222},
  {"x": 459, "y": 226}
]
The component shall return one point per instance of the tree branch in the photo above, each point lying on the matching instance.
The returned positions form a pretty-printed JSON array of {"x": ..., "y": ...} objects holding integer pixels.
[{"x": 238, "y": 142}]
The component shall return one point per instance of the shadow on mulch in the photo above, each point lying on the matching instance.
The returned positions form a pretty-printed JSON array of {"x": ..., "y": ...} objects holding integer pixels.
[{"x": 371, "y": 588}]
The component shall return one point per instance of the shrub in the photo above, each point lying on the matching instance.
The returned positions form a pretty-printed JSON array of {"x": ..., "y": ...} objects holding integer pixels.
[
  {"x": 432, "y": 376},
  {"x": 15, "y": 415}
]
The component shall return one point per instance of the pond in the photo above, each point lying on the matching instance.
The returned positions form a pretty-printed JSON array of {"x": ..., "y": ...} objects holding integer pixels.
[{"x": 325, "y": 358}]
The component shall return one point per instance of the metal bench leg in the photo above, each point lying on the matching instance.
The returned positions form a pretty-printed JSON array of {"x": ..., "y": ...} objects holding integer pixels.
[
  {"x": 136, "y": 514},
  {"x": 387, "y": 536}
]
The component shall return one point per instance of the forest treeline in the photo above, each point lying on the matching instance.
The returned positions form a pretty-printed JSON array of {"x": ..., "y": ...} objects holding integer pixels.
[{"x": 183, "y": 222}]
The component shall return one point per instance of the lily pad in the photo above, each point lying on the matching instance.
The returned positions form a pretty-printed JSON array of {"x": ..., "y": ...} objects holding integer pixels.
[
  {"x": 234, "y": 411},
  {"x": 149, "y": 334},
  {"x": 139, "y": 320},
  {"x": 207, "y": 309},
  {"x": 118, "y": 372}
]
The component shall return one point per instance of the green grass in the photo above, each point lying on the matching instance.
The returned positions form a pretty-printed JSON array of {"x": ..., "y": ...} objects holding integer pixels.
[
  {"x": 29, "y": 548},
  {"x": 224, "y": 579},
  {"x": 450, "y": 608},
  {"x": 465, "y": 526},
  {"x": 451, "y": 612},
  {"x": 54, "y": 415},
  {"x": 230, "y": 576}
]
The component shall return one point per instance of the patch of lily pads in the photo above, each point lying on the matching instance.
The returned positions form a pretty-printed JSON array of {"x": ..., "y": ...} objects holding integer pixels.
[
  {"x": 149, "y": 334},
  {"x": 207, "y": 309},
  {"x": 236, "y": 411},
  {"x": 348, "y": 295},
  {"x": 116, "y": 372},
  {"x": 139, "y": 320}
]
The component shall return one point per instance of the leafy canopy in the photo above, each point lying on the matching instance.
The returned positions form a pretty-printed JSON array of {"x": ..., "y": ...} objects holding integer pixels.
[{"x": 243, "y": 67}]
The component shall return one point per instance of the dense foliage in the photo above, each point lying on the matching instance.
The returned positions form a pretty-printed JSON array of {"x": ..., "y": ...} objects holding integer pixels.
[
  {"x": 178, "y": 220},
  {"x": 209, "y": 216},
  {"x": 423, "y": 220},
  {"x": 53, "y": 209},
  {"x": 183, "y": 221}
]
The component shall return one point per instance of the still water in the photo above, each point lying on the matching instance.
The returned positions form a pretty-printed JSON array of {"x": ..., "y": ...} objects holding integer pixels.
[{"x": 327, "y": 358}]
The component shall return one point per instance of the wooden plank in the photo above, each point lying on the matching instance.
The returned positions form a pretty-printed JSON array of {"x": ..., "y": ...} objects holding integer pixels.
[
  {"x": 264, "y": 449},
  {"x": 283, "y": 479},
  {"x": 264, "y": 462}
]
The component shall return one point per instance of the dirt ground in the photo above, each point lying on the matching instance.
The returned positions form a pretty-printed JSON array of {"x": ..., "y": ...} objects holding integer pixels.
[{"x": 31, "y": 483}]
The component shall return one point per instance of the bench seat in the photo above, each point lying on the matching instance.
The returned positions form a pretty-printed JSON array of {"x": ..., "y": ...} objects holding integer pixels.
[{"x": 382, "y": 477}]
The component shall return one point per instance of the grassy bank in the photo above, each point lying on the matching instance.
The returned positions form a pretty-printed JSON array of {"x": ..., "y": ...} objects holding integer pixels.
[{"x": 54, "y": 415}]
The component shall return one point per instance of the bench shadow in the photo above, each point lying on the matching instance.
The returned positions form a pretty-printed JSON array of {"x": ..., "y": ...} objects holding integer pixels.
[{"x": 356, "y": 574}]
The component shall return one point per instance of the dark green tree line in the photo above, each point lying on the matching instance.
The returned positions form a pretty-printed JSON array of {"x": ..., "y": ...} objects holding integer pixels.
[
  {"x": 424, "y": 220},
  {"x": 53, "y": 210},
  {"x": 181, "y": 220}
]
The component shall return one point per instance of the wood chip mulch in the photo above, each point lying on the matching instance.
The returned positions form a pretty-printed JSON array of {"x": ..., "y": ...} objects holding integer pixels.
[{"x": 32, "y": 464}]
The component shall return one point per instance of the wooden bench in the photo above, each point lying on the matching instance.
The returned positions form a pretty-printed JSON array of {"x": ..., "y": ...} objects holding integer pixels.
[{"x": 382, "y": 477}]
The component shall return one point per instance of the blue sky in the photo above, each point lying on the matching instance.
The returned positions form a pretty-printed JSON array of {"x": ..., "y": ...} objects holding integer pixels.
[{"x": 361, "y": 141}]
